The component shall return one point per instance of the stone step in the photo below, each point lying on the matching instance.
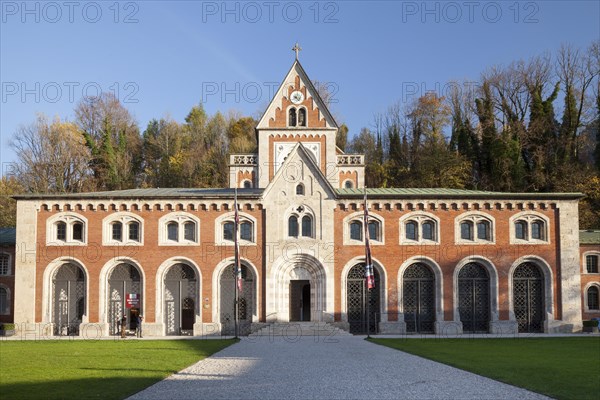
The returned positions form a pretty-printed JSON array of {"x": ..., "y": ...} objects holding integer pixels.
[{"x": 303, "y": 328}]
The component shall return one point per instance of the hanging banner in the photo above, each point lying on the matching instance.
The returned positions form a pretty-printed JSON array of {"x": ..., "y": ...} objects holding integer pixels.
[{"x": 132, "y": 300}]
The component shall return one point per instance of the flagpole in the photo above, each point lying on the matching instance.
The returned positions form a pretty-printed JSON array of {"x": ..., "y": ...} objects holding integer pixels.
[
  {"x": 237, "y": 266},
  {"x": 368, "y": 297}
]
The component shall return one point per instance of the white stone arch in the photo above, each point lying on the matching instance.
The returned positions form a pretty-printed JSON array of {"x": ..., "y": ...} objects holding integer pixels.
[
  {"x": 439, "y": 285},
  {"x": 298, "y": 266},
  {"x": 383, "y": 293},
  {"x": 216, "y": 287},
  {"x": 493, "y": 275},
  {"x": 49, "y": 273},
  {"x": 161, "y": 273},
  {"x": 103, "y": 294},
  {"x": 548, "y": 289},
  {"x": 586, "y": 306}
]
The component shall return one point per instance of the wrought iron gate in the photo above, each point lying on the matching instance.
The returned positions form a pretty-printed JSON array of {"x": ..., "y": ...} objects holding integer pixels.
[
  {"x": 125, "y": 278},
  {"x": 246, "y": 301},
  {"x": 180, "y": 299},
  {"x": 474, "y": 298},
  {"x": 528, "y": 297},
  {"x": 356, "y": 296},
  {"x": 68, "y": 288},
  {"x": 419, "y": 299}
]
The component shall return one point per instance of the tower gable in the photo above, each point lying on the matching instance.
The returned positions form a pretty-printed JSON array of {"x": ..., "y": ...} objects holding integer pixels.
[{"x": 277, "y": 114}]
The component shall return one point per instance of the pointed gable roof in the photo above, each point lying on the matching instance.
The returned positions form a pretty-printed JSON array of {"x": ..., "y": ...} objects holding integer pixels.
[
  {"x": 275, "y": 104},
  {"x": 300, "y": 151}
]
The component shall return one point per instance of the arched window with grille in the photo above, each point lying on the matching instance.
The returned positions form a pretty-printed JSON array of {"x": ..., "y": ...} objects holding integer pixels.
[
  {"x": 117, "y": 231},
  {"x": 5, "y": 264},
  {"x": 356, "y": 230},
  {"x": 302, "y": 117},
  {"x": 293, "y": 226},
  {"x": 228, "y": 228},
  {"x": 292, "y": 117},
  {"x": 307, "y": 226},
  {"x": 591, "y": 263},
  {"x": 246, "y": 231},
  {"x": 412, "y": 229},
  {"x": 375, "y": 230},
  {"x": 173, "y": 231},
  {"x": 4, "y": 301},
  {"x": 593, "y": 300}
]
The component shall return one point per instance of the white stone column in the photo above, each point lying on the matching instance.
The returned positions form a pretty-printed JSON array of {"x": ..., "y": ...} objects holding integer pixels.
[
  {"x": 570, "y": 275},
  {"x": 25, "y": 265}
]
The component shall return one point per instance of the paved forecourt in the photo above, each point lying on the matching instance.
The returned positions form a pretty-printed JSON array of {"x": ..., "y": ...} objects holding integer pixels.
[{"x": 345, "y": 367}]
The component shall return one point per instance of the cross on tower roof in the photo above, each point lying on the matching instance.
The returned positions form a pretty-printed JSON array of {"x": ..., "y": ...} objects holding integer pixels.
[{"x": 297, "y": 49}]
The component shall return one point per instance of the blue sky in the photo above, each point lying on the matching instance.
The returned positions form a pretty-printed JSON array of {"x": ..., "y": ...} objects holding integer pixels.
[{"x": 161, "y": 58}]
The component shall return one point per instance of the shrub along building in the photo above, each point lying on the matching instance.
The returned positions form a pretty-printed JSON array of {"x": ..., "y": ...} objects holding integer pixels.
[{"x": 445, "y": 260}]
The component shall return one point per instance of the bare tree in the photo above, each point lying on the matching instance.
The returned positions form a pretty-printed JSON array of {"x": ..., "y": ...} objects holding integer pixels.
[{"x": 52, "y": 157}]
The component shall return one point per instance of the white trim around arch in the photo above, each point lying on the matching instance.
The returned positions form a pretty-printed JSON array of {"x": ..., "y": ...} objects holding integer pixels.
[
  {"x": 493, "y": 285},
  {"x": 162, "y": 271},
  {"x": 216, "y": 288},
  {"x": 439, "y": 289},
  {"x": 299, "y": 266},
  {"x": 103, "y": 290},
  {"x": 548, "y": 287},
  {"x": 383, "y": 293},
  {"x": 47, "y": 278}
]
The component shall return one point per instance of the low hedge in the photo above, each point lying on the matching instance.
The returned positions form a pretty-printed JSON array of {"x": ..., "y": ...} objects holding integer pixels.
[
  {"x": 590, "y": 324},
  {"x": 7, "y": 327}
]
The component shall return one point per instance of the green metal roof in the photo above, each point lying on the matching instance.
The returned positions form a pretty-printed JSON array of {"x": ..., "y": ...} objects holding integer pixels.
[
  {"x": 443, "y": 193},
  {"x": 227, "y": 193},
  {"x": 8, "y": 236},
  {"x": 154, "y": 193},
  {"x": 589, "y": 237}
]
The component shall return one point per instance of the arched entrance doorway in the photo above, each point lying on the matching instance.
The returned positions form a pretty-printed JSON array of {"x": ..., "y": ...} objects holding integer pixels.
[
  {"x": 246, "y": 298},
  {"x": 419, "y": 298},
  {"x": 69, "y": 296},
  {"x": 474, "y": 298},
  {"x": 124, "y": 296},
  {"x": 357, "y": 295},
  {"x": 181, "y": 297},
  {"x": 528, "y": 297}
]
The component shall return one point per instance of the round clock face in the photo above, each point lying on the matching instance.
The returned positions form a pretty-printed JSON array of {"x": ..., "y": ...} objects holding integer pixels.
[{"x": 297, "y": 97}]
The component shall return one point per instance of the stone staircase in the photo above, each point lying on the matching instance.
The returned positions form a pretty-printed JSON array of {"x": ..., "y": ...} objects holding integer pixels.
[{"x": 296, "y": 329}]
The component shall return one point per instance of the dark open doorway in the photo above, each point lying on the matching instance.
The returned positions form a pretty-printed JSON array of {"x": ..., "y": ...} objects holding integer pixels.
[{"x": 299, "y": 300}]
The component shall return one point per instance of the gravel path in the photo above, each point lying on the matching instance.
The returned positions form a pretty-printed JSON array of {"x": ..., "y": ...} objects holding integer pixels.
[{"x": 316, "y": 368}]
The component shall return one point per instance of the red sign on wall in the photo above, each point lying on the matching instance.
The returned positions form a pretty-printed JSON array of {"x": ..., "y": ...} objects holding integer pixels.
[{"x": 132, "y": 300}]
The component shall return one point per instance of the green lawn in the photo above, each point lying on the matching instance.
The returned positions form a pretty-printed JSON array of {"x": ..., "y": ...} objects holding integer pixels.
[
  {"x": 563, "y": 368},
  {"x": 83, "y": 369}
]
